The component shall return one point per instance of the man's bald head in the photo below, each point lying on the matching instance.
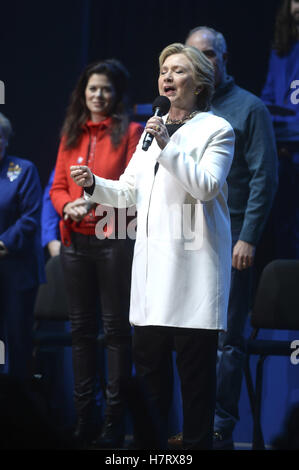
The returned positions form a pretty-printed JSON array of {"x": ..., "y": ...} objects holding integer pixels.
[{"x": 213, "y": 45}]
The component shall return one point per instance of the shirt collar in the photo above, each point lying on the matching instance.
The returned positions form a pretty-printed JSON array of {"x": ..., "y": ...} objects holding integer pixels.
[
  {"x": 226, "y": 84},
  {"x": 98, "y": 125}
]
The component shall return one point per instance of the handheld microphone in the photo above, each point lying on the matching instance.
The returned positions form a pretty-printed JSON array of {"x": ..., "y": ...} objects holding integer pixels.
[{"x": 161, "y": 106}]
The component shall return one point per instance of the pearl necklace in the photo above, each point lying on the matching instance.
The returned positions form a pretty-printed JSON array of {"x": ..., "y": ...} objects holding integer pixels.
[{"x": 181, "y": 121}]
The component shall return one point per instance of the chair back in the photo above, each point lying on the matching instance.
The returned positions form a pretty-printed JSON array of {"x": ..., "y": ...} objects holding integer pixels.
[
  {"x": 276, "y": 304},
  {"x": 51, "y": 303}
]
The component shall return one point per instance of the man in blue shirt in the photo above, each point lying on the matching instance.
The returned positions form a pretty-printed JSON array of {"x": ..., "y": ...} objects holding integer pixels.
[
  {"x": 21, "y": 257},
  {"x": 252, "y": 183}
]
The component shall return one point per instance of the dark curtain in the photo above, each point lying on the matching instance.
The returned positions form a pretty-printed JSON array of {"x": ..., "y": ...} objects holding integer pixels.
[{"x": 45, "y": 45}]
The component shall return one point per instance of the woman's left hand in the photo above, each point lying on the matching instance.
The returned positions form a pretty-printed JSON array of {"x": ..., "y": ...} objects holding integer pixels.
[{"x": 157, "y": 128}]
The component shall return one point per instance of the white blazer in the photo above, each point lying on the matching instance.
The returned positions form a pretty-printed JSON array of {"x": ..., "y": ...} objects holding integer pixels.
[{"x": 182, "y": 256}]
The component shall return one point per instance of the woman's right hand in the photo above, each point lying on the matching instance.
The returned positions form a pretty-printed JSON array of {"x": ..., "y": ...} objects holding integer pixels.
[
  {"x": 82, "y": 175},
  {"x": 77, "y": 210}
]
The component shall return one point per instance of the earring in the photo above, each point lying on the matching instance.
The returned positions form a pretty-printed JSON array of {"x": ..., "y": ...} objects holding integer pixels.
[{"x": 196, "y": 92}]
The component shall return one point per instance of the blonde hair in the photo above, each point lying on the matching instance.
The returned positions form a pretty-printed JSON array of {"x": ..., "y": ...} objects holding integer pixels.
[{"x": 203, "y": 71}]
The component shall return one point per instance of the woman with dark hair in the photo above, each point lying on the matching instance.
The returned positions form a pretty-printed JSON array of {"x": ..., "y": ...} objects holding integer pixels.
[
  {"x": 281, "y": 94},
  {"x": 286, "y": 27},
  {"x": 96, "y": 259}
]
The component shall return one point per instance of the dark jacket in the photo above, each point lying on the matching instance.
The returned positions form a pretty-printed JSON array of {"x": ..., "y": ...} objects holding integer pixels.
[
  {"x": 20, "y": 206},
  {"x": 253, "y": 178}
]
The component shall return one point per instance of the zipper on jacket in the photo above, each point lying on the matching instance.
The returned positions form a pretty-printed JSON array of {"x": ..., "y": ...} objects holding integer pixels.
[
  {"x": 87, "y": 156},
  {"x": 92, "y": 143}
]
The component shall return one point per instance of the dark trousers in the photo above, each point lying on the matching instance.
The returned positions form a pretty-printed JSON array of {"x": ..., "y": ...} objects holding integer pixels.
[
  {"x": 196, "y": 352},
  {"x": 98, "y": 269},
  {"x": 231, "y": 349}
]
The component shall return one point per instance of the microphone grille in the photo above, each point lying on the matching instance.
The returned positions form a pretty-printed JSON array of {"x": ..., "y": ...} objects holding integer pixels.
[{"x": 163, "y": 103}]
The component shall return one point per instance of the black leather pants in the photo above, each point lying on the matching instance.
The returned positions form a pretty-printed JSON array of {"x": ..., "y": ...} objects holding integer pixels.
[{"x": 98, "y": 270}]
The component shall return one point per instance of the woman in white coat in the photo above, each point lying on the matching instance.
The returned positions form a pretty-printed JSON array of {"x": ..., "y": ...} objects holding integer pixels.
[{"x": 182, "y": 257}]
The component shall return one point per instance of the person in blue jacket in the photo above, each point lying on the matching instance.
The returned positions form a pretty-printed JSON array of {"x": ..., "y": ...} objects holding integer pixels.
[
  {"x": 281, "y": 95},
  {"x": 50, "y": 221},
  {"x": 21, "y": 256}
]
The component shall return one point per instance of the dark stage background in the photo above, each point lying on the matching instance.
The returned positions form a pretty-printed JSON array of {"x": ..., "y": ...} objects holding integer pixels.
[
  {"x": 45, "y": 45},
  {"x": 43, "y": 48}
]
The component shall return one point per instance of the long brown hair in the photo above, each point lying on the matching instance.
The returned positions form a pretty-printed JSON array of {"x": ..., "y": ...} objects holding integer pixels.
[
  {"x": 285, "y": 29},
  {"x": 77, "y": 113}
]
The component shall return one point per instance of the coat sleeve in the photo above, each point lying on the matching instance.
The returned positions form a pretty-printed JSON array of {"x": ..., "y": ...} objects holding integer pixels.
[
  {"x": 59, "y": 192},
  {"x": 17, "y": 237},
  {"x": 204, "y": 176},
  {"x": 50, "y": 217},
  {"x": 120, "y": 193},
  {"x": 262, "y": 161}
]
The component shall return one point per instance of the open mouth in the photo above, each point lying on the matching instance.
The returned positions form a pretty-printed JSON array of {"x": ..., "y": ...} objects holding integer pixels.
[{"x": 169, "y": 89}]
